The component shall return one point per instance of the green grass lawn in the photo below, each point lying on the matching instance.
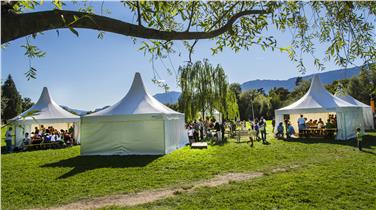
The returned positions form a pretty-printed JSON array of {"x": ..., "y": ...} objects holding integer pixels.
[{"x": 330, "y": 170}]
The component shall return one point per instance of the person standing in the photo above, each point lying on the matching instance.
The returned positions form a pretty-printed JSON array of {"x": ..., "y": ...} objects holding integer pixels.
[
  {"x": 359, "y": 138},
  {"x": 262, "y": 127},
  {"x": 301, "y": 124},
  {"x": 8, "y": 139},
  {"x": 273, "y": 124}
]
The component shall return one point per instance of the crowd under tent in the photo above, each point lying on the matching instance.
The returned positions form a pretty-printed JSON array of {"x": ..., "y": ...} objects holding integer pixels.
[
  {"x": 137, "y": 125},
  {"x": 45, "y": 112},
  {"x": 368, "y": 117},
  {"x": 319, "y": 103}
]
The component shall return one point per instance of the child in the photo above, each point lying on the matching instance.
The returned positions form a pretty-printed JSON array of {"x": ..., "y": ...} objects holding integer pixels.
[{"x": 359, "y": 138}]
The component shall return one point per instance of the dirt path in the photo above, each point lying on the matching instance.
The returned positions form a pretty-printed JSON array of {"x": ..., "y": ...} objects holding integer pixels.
[{"x": 153, "y": 195}]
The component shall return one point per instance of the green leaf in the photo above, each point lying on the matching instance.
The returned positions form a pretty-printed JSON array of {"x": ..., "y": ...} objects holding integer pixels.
[{"x": 74, "y": 31}]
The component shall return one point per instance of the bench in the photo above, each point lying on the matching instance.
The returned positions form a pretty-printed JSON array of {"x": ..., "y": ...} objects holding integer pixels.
[
  {"x": 43, "y": 145},
  {"x": 199, "y": 145}
]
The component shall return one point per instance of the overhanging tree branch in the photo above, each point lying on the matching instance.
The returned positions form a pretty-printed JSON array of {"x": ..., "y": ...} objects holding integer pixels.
[{"x": 14, "y": 26}]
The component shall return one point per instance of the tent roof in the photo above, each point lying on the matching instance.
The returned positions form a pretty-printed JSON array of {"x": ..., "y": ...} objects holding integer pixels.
[
  {"x": 46, "y": 109},
  {"x": 346, "y": 97},
  {"x": 137, "y": 101},
  {"x": 317, "y": 97}
]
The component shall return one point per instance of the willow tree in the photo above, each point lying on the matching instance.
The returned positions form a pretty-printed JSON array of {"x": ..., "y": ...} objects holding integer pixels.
[
  {"x": 204, "y": 88},
  {"x": 346, "y": 29}
]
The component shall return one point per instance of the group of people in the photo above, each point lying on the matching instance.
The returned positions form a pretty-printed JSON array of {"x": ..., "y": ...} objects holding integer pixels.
[
  {"x": 198, "y": 130},
  {"x": 259, "y": 126},
  {"x": 290, "y": 131},
  {"x": 304, "y": 123},
  {"x": 50, "y": 134},
  {"x": 39, "y": 135}
]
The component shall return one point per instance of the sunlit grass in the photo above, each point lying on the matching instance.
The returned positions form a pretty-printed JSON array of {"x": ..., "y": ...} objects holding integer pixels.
[{"x": 52, "y": 177}]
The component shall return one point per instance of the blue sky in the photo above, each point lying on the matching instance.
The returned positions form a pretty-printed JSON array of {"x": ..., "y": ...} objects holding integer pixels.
[{"x": 86, "y": 72}]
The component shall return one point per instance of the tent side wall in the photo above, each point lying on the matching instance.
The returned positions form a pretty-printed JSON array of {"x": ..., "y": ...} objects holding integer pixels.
[
  {"x": 122, "y": 135},
  {"x": 347, "y": 121},
  {"x": 368, "y": 118},
  {"x": 175, "y": 134}
]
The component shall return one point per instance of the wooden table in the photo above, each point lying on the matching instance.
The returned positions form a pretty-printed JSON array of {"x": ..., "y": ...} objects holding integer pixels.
[{"x": 318, "y": 132}]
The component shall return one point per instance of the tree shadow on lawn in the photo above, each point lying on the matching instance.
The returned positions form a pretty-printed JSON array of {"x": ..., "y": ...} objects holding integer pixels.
[
  {"x": 369, "y": 141},
  {"x": 82, "y": 164}
]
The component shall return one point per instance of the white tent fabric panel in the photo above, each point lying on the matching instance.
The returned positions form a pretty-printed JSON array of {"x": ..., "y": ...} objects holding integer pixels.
[
  {"x": 122, "y": 137},
  {"x": 175, "y": 137},
  {"x": 366, "y": 110},
  {"x": 368, "y": 118},
  {"x": 347, "y": 123}
]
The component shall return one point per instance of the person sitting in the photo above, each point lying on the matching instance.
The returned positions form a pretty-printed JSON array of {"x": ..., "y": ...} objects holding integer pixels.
[
  {"x": 310, "y": 123},
  {"x": 26, "y": 141},
  {"x": 47, "y": 138},
  {"x": 290, "y": 131},
  {"x": 329, "y": 124},
  {"x": 280, "y": 130},
  {"x": 320, "y": 124}
]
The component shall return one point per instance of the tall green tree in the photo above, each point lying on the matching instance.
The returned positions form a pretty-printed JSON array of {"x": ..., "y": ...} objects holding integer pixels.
[
  {"x": 232, "y": 111},
  {"x": 204, "y": 88},
  {"x": 13, "y": 103},
  {"x": 236, "y": 89},
  {"x": 26, "y": 104},
  {"x": 363, "y": 87}
]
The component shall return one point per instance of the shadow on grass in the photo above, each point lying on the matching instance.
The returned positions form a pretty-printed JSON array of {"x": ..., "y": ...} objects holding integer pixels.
[
  {"x": 369, "y": 141},
  {"x": 82, "y": 164}
]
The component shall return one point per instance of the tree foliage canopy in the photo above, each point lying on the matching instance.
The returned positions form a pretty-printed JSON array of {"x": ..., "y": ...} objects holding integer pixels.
[
  {"x": 347, "y": 29},
  {"x": 205, "y": 88}
]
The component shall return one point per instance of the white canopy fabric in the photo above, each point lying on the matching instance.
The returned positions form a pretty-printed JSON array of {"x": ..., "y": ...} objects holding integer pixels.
[
  {"x": 366, "y": 110},
  {"x": 137, "y": 125},
  {"x": 45, "y": 111},
  {"x": 319, "y": 100}
]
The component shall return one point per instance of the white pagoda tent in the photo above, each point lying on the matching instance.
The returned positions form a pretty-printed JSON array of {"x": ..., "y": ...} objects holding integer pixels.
[
  {"x": 319, "y": 103},
  {"x": 45, "y": 112},
  {"x": 366, "y": 110},
  {"x": 137, "y": 125}
]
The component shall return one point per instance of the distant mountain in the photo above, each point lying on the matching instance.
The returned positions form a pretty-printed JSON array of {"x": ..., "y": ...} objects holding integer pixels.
[
  {"x": 77, "y": 111},
  {"x": 168, "y": 97},
  {"x": 325, "y": 77}
]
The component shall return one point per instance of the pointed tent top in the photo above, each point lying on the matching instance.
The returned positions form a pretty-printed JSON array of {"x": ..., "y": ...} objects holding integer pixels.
[
  {"x": 317, "y": 97},
  {"x": 45, "y": 96},
  {"x": 46, "y": 109},
  {"x": 137, "y": 101}
]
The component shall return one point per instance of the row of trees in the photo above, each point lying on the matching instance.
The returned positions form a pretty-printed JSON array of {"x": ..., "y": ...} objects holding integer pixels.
[
  {"x": 205, "y": 87},
  {"x": 12, "y": 103}
]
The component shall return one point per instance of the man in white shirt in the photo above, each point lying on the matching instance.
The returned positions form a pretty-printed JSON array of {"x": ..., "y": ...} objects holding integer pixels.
[
  {"x": 8, "y": 139},
  {"x": 301, "y": 123}
]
